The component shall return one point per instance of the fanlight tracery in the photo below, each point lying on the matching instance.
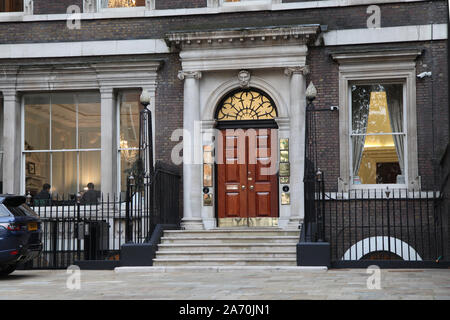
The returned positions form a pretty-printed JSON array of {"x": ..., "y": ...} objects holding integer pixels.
[{"x": 250, "y": 104}]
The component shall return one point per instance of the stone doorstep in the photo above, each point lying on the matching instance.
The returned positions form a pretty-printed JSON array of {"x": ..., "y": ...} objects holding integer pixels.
[{"x": 165, "y": 269}]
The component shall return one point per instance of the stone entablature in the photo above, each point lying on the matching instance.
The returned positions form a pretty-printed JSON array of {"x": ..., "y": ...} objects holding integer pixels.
[{"x": 300, "y": 34}]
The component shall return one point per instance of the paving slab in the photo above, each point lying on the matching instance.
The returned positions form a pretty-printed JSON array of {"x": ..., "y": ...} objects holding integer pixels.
[{"x": 225, "y": 284}]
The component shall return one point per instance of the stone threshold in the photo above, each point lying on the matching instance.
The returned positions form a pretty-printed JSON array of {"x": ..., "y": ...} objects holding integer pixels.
[{"x": 215, "y": 269}]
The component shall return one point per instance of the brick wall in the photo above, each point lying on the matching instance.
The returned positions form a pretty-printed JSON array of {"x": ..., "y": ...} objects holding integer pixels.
[
  {"x": 178, "y": 4},
  {"x": 49, "y": 7},
  {"x": 141, "y": 28}
]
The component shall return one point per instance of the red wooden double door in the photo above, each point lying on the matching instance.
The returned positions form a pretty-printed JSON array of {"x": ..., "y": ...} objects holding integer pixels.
[{"x": 247, "y": 177}]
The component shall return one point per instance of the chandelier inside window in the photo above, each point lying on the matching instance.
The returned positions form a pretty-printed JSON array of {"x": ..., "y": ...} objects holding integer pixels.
[{"x": 249, "y": 104}]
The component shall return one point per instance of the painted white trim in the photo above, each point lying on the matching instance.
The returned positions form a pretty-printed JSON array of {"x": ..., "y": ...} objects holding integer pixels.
[
  {"x": 133, "y": 13},
  {"x": 82, "y": 48},
  {"x": 381, "y": 243},
  {"x": 384, "y": 35}
]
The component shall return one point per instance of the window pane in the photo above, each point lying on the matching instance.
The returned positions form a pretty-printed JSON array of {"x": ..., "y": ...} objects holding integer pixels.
[
  {"x": 122, "y": 3},
  {"x": 381, "y": 160},
  {"x": 127, "y": 160},
  {"x": 37, "y": 122},
  {"x": 377, "y": 108},
  {"x": 37, "y": 171},
  {"x": 11, "y": 5},
  {"x": 64, "y": 174},
  {"x": 64, "y": 121},
  {"x": 89, "y": 134},
  {"x": 129, "y": 119},
  {"x": 89, "y": 169}
]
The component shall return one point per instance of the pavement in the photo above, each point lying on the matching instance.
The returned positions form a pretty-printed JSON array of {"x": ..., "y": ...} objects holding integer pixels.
[{"x": 227, "y": 284}]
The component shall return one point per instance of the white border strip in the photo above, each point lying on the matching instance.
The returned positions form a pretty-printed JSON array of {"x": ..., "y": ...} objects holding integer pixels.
[
  {"x": 82, "y": 48},
  {"x": 158, "y": 269},
  {"x": 388, "y": 34},
  {"x": 133, "y": 13}
]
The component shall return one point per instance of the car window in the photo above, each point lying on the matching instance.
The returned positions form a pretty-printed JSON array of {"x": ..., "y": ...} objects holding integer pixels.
[
  {"x": 22, "y": 211},
  {"x": 4, "y": 212}
]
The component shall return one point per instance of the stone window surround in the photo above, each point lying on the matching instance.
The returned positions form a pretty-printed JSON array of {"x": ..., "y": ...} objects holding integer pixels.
[
  {"x": 89, "y": 10},
  {"x": 107, "y": 78},
  {"x": 363, "y": 66}
]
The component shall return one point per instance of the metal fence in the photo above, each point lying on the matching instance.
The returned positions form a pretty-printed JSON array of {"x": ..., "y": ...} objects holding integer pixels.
[
  {"x": 73, "y": 230},
  {"x": 399, "y": 227}
]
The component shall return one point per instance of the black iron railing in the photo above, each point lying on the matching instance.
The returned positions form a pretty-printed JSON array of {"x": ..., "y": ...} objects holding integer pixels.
[
  {"x": 383, "y": 224},
  {"x": 73, "y": 230}
]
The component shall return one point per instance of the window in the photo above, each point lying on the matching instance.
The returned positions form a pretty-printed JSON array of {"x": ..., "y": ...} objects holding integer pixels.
[
  {"x": 11, "y": 5},
  {"x": 377, "y": 134},
  {"x": 377, "y": 119},
  {"x": 129, "y": 109},
  {"x": 122, "y": 3},
  {"x": 62, "y": 142}
]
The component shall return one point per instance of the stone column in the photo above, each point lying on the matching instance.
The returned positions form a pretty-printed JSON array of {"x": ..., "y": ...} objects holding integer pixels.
[
  {"x": 108, "y": 142},
  {"x": 192, "y": 186},
  {"x": 297, "y": 108},
  {"x": 11, "y": 142}
]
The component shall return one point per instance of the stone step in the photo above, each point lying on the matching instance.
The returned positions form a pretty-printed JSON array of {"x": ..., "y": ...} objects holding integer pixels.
[
  {"x": 225, "y": 247},
  {"x": 226, "y": 262},
  {"x": 224, "y": 254},
  {"x": 230, "y": 239},
  {"x": 231, "y": 232}
]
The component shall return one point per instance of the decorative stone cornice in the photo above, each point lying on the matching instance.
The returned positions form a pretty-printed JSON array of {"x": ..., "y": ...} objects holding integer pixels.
[
  {"x": 376, "y": 56},
  {"x": 296, "y": 34},
  {"x": 189, "y": 74},
  {"x": 304, "y": 70},
  {"x": 79, "y": 76}
]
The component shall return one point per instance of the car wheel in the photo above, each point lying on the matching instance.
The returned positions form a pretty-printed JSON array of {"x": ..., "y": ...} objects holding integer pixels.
[{"x": 5, "y": 270}]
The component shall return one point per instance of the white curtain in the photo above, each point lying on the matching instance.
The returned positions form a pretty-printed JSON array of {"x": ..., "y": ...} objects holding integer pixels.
[
  {"x": 360, "y": 115},
  {"x": 394, "y": 94}
]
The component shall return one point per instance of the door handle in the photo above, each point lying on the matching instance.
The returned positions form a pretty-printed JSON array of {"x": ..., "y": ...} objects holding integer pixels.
[
  {"x": 252, "y": 187},
  {"x": 243, "y": 187}
]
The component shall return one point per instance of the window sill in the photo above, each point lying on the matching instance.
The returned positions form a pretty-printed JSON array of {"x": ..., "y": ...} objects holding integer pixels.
[
  {"x": 11, "y": 16},
  {"x": 245, "y": 6}
]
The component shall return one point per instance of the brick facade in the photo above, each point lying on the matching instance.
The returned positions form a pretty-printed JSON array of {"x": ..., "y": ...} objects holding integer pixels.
[
  {"x": 157, "y": 27},
  {"x": 178, "y": 4},
  {"x": 50, "y": 7}
]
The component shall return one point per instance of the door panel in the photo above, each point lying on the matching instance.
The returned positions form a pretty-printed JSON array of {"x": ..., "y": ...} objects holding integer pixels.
[{"x": 247, "y": 185}]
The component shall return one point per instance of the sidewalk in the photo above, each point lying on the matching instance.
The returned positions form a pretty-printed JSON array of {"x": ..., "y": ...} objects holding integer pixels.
[{"x": 233, "y": 284}]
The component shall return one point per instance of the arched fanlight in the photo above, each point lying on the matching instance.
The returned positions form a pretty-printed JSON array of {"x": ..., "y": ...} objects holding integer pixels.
[{"x": 246, "y": 104}]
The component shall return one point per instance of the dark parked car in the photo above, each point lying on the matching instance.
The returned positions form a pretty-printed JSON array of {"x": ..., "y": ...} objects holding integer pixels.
[{"x": 20, "y": 233}]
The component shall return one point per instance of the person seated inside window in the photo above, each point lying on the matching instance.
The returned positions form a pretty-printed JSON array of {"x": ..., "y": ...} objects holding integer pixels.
[
  {"x": 91, "y": 196},
  {"x": 44, "y": 197}
]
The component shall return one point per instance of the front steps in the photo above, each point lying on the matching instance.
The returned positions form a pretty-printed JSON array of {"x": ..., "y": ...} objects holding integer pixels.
[{"x": 228, "y": 247}]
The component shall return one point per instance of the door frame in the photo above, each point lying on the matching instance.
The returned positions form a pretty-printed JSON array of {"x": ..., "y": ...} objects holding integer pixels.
[{"x": 246, "y": 124}]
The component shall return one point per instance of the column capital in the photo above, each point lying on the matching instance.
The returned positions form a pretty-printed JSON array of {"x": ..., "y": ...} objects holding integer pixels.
[
  {"x": 197, "y": 75},
  {"x": 9, "y": 95},
  {"x": 304, "y": 70},
  {"x": 106, "y": 90}
]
